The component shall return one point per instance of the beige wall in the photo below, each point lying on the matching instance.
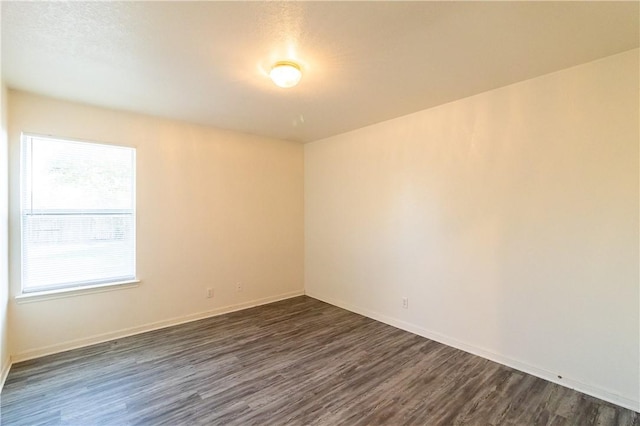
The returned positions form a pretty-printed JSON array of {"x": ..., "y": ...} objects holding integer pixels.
[
  {"x": 508, "y": 219},
  {"x": 214, "y": 208},
  {"x": 4, "y": 232}
]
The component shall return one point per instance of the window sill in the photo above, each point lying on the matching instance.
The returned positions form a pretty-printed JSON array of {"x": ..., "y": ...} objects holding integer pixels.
[{"x": 72, "y": 292}]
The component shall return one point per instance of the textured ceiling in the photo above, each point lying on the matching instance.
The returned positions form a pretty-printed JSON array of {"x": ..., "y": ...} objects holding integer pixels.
[{"x": 363, "y": 62}]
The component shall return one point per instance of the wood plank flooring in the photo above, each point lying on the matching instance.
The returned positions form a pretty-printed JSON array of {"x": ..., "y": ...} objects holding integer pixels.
[{"x": 298, "y": 362}]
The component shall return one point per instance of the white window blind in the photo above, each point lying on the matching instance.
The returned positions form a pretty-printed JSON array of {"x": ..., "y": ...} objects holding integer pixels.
[{"x": 78, "y": 213}]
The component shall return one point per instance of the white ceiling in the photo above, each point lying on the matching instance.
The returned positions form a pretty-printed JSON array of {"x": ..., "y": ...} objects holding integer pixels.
[{"x": 363, "y": 62}]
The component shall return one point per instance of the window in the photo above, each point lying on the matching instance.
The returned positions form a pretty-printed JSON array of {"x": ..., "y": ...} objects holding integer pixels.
[{"x": 78, "y": 213}]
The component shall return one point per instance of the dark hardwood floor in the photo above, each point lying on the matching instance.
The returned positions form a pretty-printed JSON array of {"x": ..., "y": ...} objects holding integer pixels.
[{"x": 299, "y": 362}]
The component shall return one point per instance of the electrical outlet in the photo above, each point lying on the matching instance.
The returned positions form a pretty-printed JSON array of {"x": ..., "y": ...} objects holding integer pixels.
[
  {"x": 209, "y": 293},
  {"x": 239, "y": 287},
  {"x": 405, "y": 303}
]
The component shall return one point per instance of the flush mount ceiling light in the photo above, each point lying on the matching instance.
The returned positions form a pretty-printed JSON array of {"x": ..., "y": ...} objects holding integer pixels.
[{"x": 285, "y": 74}]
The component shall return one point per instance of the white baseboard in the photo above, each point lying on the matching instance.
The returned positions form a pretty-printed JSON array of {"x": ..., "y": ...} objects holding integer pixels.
[
  {"x": 6, "y": 366},
  {"x": 79, "y": 343},
  {"x": 500, "y": 359}
]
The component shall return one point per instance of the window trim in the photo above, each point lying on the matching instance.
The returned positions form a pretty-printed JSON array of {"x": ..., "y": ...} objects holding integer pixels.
[
  {"x": 36, "y": 296},
  {"x": 84, "y": 287}
]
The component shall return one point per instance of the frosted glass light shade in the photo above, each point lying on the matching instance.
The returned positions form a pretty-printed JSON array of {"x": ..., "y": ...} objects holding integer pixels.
[{"x": 285, "y": 74}]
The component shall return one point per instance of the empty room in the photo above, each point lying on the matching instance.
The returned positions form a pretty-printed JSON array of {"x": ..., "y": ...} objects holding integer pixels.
[{"x": 320, "y": 213}]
